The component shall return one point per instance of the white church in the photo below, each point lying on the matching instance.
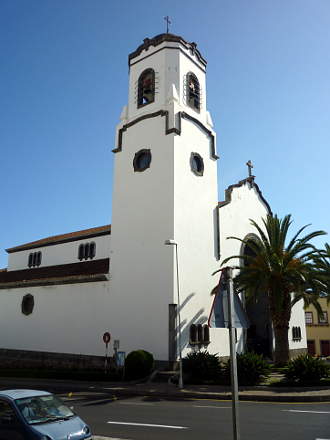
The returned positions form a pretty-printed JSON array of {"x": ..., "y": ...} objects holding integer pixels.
[{"x": 60, "y": 294}]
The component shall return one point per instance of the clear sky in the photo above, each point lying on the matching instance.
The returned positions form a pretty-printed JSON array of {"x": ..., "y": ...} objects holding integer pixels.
[{"x": 63, "y": 83}]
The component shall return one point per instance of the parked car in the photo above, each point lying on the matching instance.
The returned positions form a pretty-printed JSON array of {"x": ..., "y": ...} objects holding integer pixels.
[{"x": 38, "y": 415}]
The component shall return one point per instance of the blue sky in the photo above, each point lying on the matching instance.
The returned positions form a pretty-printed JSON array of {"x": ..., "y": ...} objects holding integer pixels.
[{"x": 63, "y": 82}]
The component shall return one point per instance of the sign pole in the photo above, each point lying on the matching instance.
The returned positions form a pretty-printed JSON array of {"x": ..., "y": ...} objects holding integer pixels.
[
  {"x": 106, "y": 339},
  {"x": 233, "y": 363}
]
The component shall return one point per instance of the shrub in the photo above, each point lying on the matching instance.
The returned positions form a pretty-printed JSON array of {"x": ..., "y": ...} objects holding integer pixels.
[
  {"x": 251, "y": 369},
  {"x": 201, "y": 366},
  {"x": 306, "y": 370},
  {"x": 138, "y": 364}
]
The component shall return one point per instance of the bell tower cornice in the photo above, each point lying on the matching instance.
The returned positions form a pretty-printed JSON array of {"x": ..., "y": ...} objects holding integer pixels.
[{"x": 189, "y": 49}]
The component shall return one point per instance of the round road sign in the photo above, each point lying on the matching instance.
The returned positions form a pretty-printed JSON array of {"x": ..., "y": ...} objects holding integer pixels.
[{"x": 106, "y": 337}]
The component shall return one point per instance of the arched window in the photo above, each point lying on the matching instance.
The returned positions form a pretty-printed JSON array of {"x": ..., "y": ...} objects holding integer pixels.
[
  {"x": 146, "y": 87},
  {"x": 193, "y": 334},
  {"x": 296, "y": 333},
  {"x": 206, "y": 334},
  {"x": 193, "y": 92},
  {"x": 200, "y": 333},
  {"x": 87, "y": 251},
  {"x": 249, "y": 251},
  {"x": 81, "y": 252},
  {"x": 92, "y": 249},
  {"x": 34, "y": 259}
]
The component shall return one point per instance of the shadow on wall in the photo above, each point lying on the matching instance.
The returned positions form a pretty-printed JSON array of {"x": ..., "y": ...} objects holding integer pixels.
[
  {"x": 201, "y": 318},
  {"x": 198, "y": 318}
]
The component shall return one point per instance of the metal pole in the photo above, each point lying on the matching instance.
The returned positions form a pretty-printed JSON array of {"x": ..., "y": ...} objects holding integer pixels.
[
  {"x": 233, "y": 363},
  {"x": 179, "y": 319}
]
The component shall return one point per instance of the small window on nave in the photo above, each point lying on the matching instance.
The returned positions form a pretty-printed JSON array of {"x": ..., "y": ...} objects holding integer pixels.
[
  {"x": 193, "y": 92},
  {"x": 34, "y": 259},
  {"x": 27, "y": 305},
  {"x": 146, "y": 88},
  {"x": 87, "y": 251}
]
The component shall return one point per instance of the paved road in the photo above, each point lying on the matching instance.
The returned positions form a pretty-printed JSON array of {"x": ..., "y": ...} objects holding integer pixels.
[{"x": 149, "y": 418}]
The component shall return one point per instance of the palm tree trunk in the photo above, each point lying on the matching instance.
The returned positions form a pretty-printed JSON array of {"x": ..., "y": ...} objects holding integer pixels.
[{"x": 281, "y": 353}]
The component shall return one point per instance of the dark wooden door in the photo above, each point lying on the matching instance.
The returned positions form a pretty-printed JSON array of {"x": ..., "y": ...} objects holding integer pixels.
[{"x": 311, "y": 347}]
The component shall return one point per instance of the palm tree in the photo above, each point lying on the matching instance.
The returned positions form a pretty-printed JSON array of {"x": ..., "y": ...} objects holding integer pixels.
[
  {"x": 286, "y": 273},
  {"x": 322, "y": 261}
]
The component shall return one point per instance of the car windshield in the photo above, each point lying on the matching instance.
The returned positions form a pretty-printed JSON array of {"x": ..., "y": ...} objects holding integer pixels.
[{"x": 43, "y": 409}]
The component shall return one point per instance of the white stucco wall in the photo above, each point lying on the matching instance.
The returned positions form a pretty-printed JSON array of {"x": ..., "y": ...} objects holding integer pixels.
[
  {"x": 65, "y": 319},
  {"x": 141, "y": 265},
  {"x": 298, "y": 320},
  {"x": 63, "y": 253}
]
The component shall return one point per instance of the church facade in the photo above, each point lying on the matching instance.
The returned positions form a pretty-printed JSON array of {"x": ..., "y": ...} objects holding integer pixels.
[{"x": 59, "y": 294}]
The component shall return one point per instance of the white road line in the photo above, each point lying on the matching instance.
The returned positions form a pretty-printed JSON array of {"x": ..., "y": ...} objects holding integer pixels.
[
  {"x": 101, "y": 437},
  {"x": 148, "y": 424},
  {"x": 136, "y": 403},
  {"x": 312, "y": 412},
  {"x": 211, "y": 406}
]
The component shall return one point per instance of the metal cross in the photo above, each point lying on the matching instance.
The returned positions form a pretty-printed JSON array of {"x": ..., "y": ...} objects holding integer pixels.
[
  {"x": 168, "y": 22},
  {"x": 250, "y": 166}
]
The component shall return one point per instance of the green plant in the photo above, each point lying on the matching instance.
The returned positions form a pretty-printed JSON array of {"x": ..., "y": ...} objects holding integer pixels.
[
  {"x": 251, "y": 369},
  {"x": 201, "y": 366},
  {"x": 138, "y": 364},
  {"x": 306, "y": 370},
  {"x": 284, "y": 271}
]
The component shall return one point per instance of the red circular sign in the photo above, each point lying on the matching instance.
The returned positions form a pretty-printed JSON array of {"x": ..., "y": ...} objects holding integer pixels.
[{"x": 106, "y": 337}]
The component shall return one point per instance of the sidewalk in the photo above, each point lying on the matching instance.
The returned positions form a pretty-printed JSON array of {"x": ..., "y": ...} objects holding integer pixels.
[{"x": 169, "y": 391}]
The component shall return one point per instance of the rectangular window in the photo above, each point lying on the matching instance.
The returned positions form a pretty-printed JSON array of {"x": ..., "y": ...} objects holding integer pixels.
[
  {"x": 323, "y": 318},
  {"x": 309, "y": 318},
  {"x": 325, "y": 348},
  {"x": 7, "y": 415}
]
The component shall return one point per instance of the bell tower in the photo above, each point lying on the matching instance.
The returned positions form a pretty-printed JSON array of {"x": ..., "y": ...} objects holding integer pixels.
[{"x": 165, "y": 187}]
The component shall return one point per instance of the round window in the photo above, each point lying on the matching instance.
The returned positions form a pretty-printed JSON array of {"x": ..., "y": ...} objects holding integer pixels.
[
  {"x": 27, "y": 304},
  {"x": 142, "y": 160},
  {"x": 197, "y": 164}
]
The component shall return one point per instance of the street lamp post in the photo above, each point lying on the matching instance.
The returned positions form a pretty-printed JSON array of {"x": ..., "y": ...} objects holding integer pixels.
[{"x": 173, "y": 243}]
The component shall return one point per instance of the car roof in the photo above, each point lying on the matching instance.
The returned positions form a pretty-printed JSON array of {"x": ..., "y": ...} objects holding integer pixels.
[{"x": 21, "y": 394}]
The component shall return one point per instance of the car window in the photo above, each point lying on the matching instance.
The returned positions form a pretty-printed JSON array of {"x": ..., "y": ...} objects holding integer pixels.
[
  {"x": 7, "y": 414},
  {"x": 43, "y": 409}
]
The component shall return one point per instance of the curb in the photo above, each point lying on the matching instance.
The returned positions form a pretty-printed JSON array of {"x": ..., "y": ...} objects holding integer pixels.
[
  {"x": 218, "y": 396},
  {"x": 152, "y": 391}
]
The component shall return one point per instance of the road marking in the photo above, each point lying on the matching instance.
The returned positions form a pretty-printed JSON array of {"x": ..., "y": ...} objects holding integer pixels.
[
  {"x": 301, "y": 411},
  {"x": 211, "y": 406},
  {"x": 101, "y": 437},
  {"x": 136, "y": 403},
  {"x": 148, "y": 424}
]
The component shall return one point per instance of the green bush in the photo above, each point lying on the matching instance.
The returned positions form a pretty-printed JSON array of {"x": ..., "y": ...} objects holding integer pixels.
[
  {"x": 201, "y": 366},
  {"x": 251, "y": 369},
  {"x": 306, "y": 370},
  {"x": 138, "y": 364}
]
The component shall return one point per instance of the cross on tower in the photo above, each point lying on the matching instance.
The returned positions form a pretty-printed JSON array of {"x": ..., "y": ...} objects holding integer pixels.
[
  {"x": 250, "y": 166},
  {"x": 168, "y": 22}
]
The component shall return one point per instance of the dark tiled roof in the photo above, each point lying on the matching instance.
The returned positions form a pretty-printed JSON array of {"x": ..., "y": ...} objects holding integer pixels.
[
  {"x": 63, "y": 272},
  {"x": 63, "y": 238}
]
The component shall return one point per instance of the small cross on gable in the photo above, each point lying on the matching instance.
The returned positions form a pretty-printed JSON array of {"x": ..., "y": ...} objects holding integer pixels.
[
  {"x": 168, "y": 22},
  {"x": 250, "y": 166}
]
